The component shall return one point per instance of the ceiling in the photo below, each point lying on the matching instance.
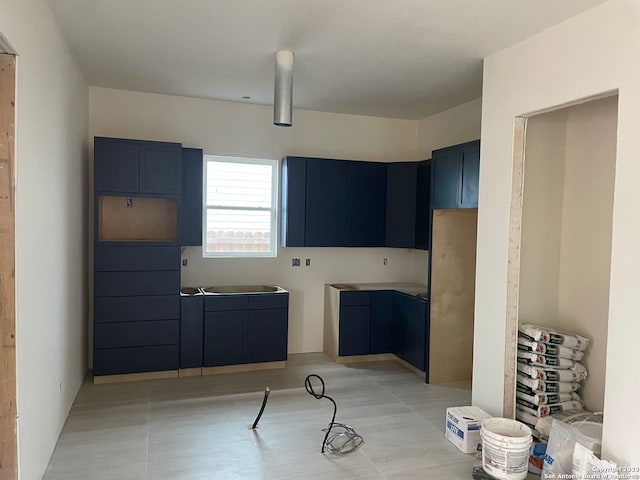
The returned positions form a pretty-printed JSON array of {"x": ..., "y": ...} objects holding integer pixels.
[{"x": 398, "y": 59}]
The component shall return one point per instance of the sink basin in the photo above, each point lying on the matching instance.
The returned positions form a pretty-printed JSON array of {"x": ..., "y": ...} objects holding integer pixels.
[
  {"x": 226, "y": 289},
  {"x": 344, "y": 286}
]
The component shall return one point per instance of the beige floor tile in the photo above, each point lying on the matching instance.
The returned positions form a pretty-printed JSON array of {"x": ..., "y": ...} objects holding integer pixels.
[{"x": 198, "y": 427}]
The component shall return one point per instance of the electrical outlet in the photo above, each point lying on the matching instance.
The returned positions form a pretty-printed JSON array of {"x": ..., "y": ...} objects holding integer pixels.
[
  {"x": 295, "y": 262},
  {"x": 185, "y": 262},
  {"x": 129, "y": 202},
  {"x": 385, "y": 262},
  {"x": 307, "y": 262}
]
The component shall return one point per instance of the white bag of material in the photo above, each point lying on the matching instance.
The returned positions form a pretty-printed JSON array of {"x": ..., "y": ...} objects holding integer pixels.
[
  {"x": 548, "y": 349},
  {"x": 537, "y": 385},
  {"x": 553, "y": 374},
  {"x": 570, "y": 416},
  {"x": 587, "y": 465},
  {"x": 544, "y": 410},
  {"x": 527, "y": 418},
  {"x": 553, "y": 336},
  {"x": 559, "y": 457},
  {"x": 544, "y": 360},
  {"x": 548, "y": 398}
]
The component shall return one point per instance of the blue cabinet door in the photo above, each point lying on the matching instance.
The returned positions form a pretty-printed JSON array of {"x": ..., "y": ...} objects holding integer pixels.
[
  {"x": 354, "y": 330},
  {"x": 470, "y": 175},
  {"x": 293, "y": 201},
  {"x": 113, "y": 361},
  {"x": 414, "y": 348},
  {"x": 267, "y": 335},
  {"x": 225, "y": 338},
  {"x": 191, "y": 331},
  {"x": 381, "y": 318},
  {"x": 116, "y": 165},
  {"x": 423, "y": 198},
  {"x": 326, "y": 198},
  {"x": 354, "y": 323},
  {"x": 366, "y": 204},
  {"x": 160, "y": 168},
  {"x": 409, "y": 329},
  {"x": 401, "y": 204},
  {"x": 455, "y": 172},
  {"x": 191, "y": 206},
  {"x": 445, "y": 185}
]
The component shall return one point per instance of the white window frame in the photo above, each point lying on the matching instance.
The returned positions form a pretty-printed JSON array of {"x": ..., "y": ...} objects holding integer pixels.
[{"x": 273, "y": 236}]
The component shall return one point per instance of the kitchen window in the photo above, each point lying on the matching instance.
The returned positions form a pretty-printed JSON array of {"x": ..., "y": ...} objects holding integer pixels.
[{"x": 240, "y": 207}]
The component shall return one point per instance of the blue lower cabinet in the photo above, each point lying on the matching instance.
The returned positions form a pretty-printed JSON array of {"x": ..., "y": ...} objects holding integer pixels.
[
  {"x": 114, "y": 361},
  {"x": 249, "y": 328},
  {"x": 409, "y": 330},
  {"x": 132, "y": 309},
  {"x": 267, "y": 334},
  {"x": 381, "y": 321},
  {"x": 354, "y": 330},
  {"x": 135, "y": 334},
  {"x": 225, "y": 338},
  {"x": 191, "y": 331}
]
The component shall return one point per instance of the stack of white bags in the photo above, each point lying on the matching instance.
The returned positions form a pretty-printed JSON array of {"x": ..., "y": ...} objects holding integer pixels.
[{"x": 549, "y": 372}]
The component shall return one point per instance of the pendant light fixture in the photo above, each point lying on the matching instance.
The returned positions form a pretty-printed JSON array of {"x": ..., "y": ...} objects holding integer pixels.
[{"x": 283, "y": 89}]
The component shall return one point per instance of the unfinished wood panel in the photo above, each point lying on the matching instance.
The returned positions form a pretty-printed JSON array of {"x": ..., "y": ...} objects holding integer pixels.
[
  {"x": 244, "y": 367},
  {"x": 134, "y": 377},
  {"x": 8, "y": 438},
  {"x": 147, "y": 219},
  {"x": 453, "y": 273}
]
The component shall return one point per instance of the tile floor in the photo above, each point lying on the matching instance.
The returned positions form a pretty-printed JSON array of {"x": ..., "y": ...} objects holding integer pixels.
[{"x": 197, "y": 428}]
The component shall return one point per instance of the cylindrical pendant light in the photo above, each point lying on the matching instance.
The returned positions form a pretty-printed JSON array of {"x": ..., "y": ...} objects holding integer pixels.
[{"x": 283, "y": 89}]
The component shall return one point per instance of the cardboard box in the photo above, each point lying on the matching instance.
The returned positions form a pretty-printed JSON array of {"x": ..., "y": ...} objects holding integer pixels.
[{"x": 463, "y": 427}]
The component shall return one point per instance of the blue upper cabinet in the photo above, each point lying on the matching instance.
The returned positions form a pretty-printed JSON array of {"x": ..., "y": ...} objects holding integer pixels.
[
  {"x": 470, "y": 176},
  {"x": 292, "y": 218},
  {"x": 455, "y": 176},
  {"x": 116, "y": 165},
  {"x": 401, "y": 204},
  {"x": 191, "y": 206},
  {"x": 344, "y": 203},
  {"x": 366, "y": 200},
  {"x": 423, "y": 199},
  {"x": 326, "y": 199},
  {"x": 135, "y": 166}
]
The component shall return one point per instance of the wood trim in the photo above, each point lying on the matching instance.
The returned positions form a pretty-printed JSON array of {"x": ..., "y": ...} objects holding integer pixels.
[
  {"x": 374, "y": 357},
  {"x": 8, "y": 408},
  {"x": 134, "y": 377},
  {"x": 190, "y": 372},
  {"x": 513, "y": 269},
  {"x": 244, "y": 367}
]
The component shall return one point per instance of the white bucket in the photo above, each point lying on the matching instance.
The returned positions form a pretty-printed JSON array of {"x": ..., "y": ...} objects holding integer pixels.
[{"x": 505, "y": 448}]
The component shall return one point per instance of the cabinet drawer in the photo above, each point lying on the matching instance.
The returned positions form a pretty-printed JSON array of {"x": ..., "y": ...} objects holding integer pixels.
[
  {"x": 217, "y": 303},
  {"x": 136, "y": 334},
  {"x": 114, "y": 284},
  {"x": 135, "y": 359},
  {"x": 265, "y": 301},
  {"x": 355, "y": 298},
  {"x": 131, "y": 309},
  {"x": 130, "y": 258}
]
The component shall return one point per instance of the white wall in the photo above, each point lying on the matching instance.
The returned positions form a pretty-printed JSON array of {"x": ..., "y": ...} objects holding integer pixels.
[
  {"x": 451, "y": 127},
  {"x": 542, "y": 217},
  {"x": 584, "y": 56},
  {"x": 235, "y": 129},
  {"x": 566, "y": 228},
  {"x": 51, "y": 211}
]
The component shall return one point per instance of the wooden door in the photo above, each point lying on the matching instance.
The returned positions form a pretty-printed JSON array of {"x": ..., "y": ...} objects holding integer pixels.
[{"x": 8, "y": 440}]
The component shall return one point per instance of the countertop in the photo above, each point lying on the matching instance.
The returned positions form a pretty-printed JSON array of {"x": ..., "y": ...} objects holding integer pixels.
[{"x": 415, "y": 289}]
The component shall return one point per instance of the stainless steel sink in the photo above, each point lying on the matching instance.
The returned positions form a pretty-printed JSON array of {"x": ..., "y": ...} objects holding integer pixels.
[{"x": 227, "y": 289}]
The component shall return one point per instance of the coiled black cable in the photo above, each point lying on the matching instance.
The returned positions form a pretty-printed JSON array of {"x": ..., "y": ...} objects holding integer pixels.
[
  {"x": 341, "y": 439},
  {"x": 309, "y": 388}
]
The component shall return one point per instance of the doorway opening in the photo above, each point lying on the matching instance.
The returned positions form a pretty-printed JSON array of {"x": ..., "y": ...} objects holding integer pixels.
[{"x": 561, "y": 230}]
